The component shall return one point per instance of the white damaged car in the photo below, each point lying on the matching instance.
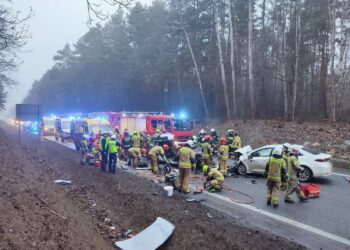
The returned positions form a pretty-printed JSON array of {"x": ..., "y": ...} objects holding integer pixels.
[{"x": 315, "y": 164}]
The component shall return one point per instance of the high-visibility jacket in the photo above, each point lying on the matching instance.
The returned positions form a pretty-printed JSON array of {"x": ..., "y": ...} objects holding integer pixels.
[
  {"x": 223, "y": 150},
  {"x": 83, "y": 144},
  {"x": 136, "y": 141},
  {"x": 206, "y": 149},
  {"x": 236, "y": 142},
  {"x": 186, "y": 157},
  {"x": 155, "y": 151},
  {"x": 293, "y": 167},
  {"x": 216, "y": 174},
  {"x": 103, "y": 143},
  {"x": 112, "y": 146},
  {"x": 275, "y": 168}
]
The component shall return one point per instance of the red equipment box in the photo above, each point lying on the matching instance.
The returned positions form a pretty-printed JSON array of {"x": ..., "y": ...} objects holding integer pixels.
[{"x": 310, "y": 190}]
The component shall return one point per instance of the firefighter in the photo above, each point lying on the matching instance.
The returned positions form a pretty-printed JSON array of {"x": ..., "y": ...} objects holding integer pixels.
[
  {"x": 214, "y": 178},
  {"x": 126, "y": 144},
  {"x": 153, "y": 155},
  {"x": 83, "y": 149},
  {"x": 136, "y": 140},
  {"x": 145, "y": 139},
  {"x": 90, "y": 141},
  {"x": 186, "y": 163},
  {"x": 236, "y": 144},
  {"x": 223, "y": 155},
  {"x": 214, "y": 137},
  {"x": 207, "y": 151},
  {"x": 276, "y": 173},
  {"x": 157, "y": 132},
  {"x": 135, "y": 156},
  {"x": 286, "y": 149},
  {"x": 229, "y": 137},
  {"x": 294, "y": 168},
  {"x": 104, "y": 151},
  {"x": 113, "y": 147},
  {"x": 201, "y": 136}
]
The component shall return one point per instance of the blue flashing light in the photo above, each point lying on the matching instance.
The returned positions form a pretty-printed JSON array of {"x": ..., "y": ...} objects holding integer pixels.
[
  {"x": 182, "y": 115},
  {"x": 172, "y": 114}
]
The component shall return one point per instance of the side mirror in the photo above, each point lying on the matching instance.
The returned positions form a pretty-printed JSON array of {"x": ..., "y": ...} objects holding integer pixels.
[{"x": 250, "y": 156}]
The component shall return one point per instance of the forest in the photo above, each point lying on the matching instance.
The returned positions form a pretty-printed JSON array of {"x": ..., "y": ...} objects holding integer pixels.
[{"x": 214, "y": 59}]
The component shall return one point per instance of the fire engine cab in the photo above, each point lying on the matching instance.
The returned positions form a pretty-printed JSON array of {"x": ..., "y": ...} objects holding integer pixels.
[{"x": 181, "y": 129}]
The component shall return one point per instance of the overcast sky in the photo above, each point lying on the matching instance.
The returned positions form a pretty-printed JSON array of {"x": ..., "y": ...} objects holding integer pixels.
[{"x": 55, "y": 22}]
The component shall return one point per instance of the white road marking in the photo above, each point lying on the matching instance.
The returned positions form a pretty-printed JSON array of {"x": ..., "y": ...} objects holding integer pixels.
[
  {"x": 285, "y": 220},
  {"x": 345, "y": 175}
]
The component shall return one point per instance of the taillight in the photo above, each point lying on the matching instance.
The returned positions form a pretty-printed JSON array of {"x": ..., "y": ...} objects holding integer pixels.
[{"x": 323, "y": 160}]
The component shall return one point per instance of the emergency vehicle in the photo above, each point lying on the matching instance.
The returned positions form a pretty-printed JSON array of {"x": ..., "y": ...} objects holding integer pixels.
[
  {"x": 149, "y": 122},
  {"x": 86, "y": 126},
  {"x": 48, "y": 125},
  {"x": 62, "y": 128}
]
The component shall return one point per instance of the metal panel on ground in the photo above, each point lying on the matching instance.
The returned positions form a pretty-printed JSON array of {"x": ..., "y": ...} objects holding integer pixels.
[{"x": 150, "y": 238}]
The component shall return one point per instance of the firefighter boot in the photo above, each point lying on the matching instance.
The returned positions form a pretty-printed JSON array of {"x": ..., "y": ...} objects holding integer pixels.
[
  {"x": 303, "y": 199},
  {"x": 289, "y": 201}
]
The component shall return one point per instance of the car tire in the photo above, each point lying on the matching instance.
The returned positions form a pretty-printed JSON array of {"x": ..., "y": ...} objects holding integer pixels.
[
  {"x": 241, "y": 169},
  {"x": 306, "y": 175}
]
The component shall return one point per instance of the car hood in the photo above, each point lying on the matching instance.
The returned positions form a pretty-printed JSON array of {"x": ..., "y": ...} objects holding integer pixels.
[{"x": 245, "y": 150}]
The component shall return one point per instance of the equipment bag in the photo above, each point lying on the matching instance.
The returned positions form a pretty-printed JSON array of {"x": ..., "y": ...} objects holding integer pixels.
[{"x": 310, "y": 190}]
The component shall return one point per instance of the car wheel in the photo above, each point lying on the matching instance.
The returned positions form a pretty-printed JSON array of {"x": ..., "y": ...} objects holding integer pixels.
[
  {"x": 242, "y": 169},
  {"x": 306, "y": 175}
]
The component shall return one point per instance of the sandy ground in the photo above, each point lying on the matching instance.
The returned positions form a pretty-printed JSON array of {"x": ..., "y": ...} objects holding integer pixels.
[{"x": 36, "y": 213}]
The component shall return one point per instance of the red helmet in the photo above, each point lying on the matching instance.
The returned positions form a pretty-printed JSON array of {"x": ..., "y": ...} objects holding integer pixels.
[
  {"x": 143, "y": 151},
  {"x": 166, "y": 147},
  {"x": 223, "y": 141}
]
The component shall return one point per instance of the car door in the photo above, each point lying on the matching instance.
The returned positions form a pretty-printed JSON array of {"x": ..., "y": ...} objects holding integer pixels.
[{"x": 258, "y": 160}]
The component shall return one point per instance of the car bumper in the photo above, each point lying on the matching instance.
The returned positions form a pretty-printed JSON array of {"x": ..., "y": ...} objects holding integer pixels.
[{"x": 322, "y": 170}]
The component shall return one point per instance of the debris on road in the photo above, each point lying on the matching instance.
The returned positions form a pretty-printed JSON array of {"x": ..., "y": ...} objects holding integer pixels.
[
  {"x": 150, "y": 238},
  {"x": 347, "y": 178},
  {"x": 63, "y": 182},
  {"x": 209, "y": 215}
]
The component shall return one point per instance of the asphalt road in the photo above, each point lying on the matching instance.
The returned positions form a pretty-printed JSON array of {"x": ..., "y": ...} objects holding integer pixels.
[{"x": 329, "y": 214}]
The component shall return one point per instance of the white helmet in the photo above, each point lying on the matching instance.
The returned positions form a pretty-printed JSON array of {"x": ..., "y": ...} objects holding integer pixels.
[
  {"x": 202, "y": 131},
  {"x": 212, "y": 130},
  {"x": 295, "y": 149},
  {"x": 194, "y": 138},
  {"x": 287, "y": 146},
  {"x": 277, "y": 151},
  {"x": 113, "y": 137},
  {"x": 190, "y": 143}
]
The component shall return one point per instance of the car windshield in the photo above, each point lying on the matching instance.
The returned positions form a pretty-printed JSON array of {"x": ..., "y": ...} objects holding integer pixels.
[
  {"x": 310, "y": 151},
  {"x": 99, "y": 128},
  {"x": 182, "y": 125},
  {"x": 49, "y": 122}
]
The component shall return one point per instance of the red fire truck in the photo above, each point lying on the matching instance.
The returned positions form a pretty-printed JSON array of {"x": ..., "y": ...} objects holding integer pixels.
[{"x": 149, "y": 121}]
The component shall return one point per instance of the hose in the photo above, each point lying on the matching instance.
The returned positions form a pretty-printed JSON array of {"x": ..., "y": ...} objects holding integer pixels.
[{"x": 250, "y": 201}]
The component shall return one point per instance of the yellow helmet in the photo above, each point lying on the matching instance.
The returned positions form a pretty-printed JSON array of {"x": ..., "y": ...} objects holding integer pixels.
[{"x": 205, "y": 169}]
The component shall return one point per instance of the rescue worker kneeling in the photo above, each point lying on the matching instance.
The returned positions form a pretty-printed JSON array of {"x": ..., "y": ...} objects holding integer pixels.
[
  {"x": 135, "y": 156},
  {"x": 214, "y": 178},
  {"x": 153, "y": 155},
  {"x": 276, "y": 173},
  {"x": 293, "y": 168},
  {"x": 186, "y": 162}
]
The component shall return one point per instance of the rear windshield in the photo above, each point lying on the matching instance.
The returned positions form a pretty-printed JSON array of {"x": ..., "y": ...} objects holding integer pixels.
[{"x": 311, "y": 151}]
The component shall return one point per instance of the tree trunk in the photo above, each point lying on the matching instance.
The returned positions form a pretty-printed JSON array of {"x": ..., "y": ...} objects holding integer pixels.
[
  {"x": 332, "y": 116},
  {"x": 250, "y": 60},
  {"x": 222, "y": 66},
  {"x": 198, "y": 74},
  {"x": 296, "y": 65},
  {"x": 231, "y": 12}
]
